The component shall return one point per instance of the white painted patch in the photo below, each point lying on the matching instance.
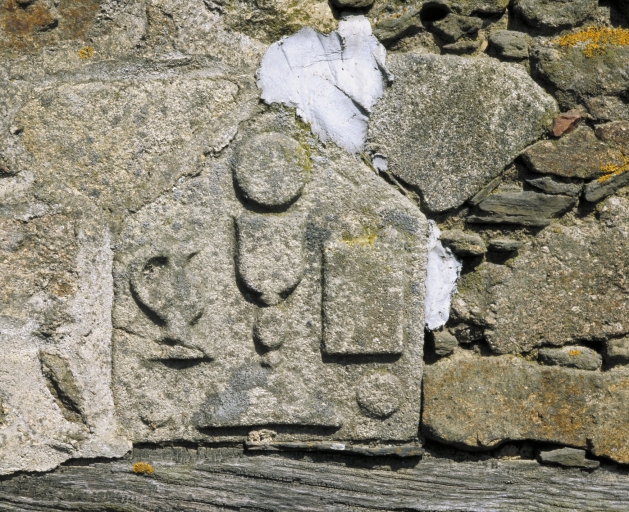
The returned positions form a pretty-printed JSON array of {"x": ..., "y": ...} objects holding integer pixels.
[
  {"x": 332, "y": 80},
  {"x": 443, "y": 270}
]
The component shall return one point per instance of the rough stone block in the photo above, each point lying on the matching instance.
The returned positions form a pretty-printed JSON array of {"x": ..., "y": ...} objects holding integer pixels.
[
  {"x": 479, "y": 403},
  {"x": 555, "y": 292},
  {"x": 55, "y": 331},
  {"x": 442, "y": 107}
]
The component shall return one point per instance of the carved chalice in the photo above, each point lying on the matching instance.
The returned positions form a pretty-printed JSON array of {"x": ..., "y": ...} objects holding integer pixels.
[{"x": 270, "y": 172}]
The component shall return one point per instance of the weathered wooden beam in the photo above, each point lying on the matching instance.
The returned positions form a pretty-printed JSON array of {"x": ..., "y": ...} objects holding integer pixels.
[{"x": 190, "y": 479}]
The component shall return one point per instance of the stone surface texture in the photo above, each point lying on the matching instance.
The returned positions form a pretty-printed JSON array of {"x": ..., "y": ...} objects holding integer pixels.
[
  {"x": 486, "y": 119},
  {"x": 227, "y": 227},
  {"x": 483, "y": 402},
  {"x": 555, "y": 292},
  {"x": 579, "y": 154},
  {"x": 554, "y": 14}
]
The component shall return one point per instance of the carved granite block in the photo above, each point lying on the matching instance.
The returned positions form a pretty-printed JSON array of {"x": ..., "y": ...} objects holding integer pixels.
[{"x": 277, "y": 290}]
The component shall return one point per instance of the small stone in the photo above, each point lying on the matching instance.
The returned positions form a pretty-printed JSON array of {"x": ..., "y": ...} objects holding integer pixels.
[
  {"x": 466, "y": 334},
  {"x": 524, "y": 208},
  {"x": 601, "y": 188},
  {"x": 577, "y": 155},
  {"x": 568, "y": 457},
  {"x": 463, "y": 244},
  {"x": 453, "y": 27},
  {"x": 467, "y": 7},
  {"x": 581, "y": 358},
  {"x": 353, "y": 4},
  {"x": 616, "y": 132},
  {"x": 445, "y": 343},
  {"x": 617, "y": 351},
  {"x": 554, "y": 14},
  {"x": 607, "y": 108},
  {"x": 510, "y": 44},
  {"x": 504, "y": 245},
  {"x": 462, "y": 47},
  {"x": 566, "y": 122},
  {"x": 392, "y": 27},
  {"x": 551, "y": 185},
  {"x": 5, "y": 170}
]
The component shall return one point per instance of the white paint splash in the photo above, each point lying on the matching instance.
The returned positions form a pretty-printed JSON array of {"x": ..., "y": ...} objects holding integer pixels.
[
  {"x": 442, "y": 271},
  {"x": 332, "y": 80}
]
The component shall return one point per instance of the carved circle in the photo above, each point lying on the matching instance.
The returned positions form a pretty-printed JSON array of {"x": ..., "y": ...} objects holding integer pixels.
[
  {"x": 378, "y": 394},
  {"x": 270, "y": 169}
]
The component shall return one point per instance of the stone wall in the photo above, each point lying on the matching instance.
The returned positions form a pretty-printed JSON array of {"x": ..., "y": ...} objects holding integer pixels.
[{"x": 379, "y": 228}]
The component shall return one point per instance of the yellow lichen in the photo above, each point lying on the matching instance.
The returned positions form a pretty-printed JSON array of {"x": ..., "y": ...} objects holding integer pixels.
[
  {"x": 574, "y": 352},
  {"x": 360, "y": 240},
  {"x": 142, "y": 468},
  {"x": 611, "y": 170},
  {"x": 595, "y": 40},
  {"x": 86, "y": 52}
]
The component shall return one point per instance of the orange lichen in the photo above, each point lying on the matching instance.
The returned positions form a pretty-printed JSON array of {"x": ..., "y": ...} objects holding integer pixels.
[
  {"x": 142, "y": 468},
  {"x": 611, "y": 170},
  {"x": 86, "y": 52},
  {"x": 574, "y": 352},
  {"x": 595, "y": 40}
]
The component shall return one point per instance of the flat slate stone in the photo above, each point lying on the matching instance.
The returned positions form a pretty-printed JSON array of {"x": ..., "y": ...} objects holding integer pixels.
[
  {"x": 504, "y": 244},
  {"x": 555, "y": 292},
  {"x": 525, "y": 208},
  {"x": 582, "y": 358},
  {"x": 568, "y": 457},
  {"x": 551, "y": 185},
  {"x": 579, "y": 154},
  {"x": 481, "y": 402},
  {"x": 604, "y": 187},
  {"x": 442, "y": 107},
  {"x": 554, "y": 14}
]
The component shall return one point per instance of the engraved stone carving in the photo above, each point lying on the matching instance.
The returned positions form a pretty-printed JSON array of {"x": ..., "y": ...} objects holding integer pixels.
[
  {"x": 163, "y": 291},
  {"x": 363, "y": 295},
  {"x": 310, "y": 283},
  {"x": 269, "y": 254},
  {"x": 379, "y": 395},
  {"x": 269, "y": 170}
]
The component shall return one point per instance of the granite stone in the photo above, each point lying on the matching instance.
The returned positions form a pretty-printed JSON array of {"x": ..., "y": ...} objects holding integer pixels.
[{"x": 432, "y": 113}]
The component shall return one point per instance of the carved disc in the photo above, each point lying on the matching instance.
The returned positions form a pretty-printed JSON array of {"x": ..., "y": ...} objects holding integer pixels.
[
  {"x": 270, "y": 169},
  {"x": 378, "y": 394}
]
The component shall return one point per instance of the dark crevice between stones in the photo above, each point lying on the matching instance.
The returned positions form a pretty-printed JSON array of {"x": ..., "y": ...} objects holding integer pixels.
[{"x": 432, "y": 12}]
